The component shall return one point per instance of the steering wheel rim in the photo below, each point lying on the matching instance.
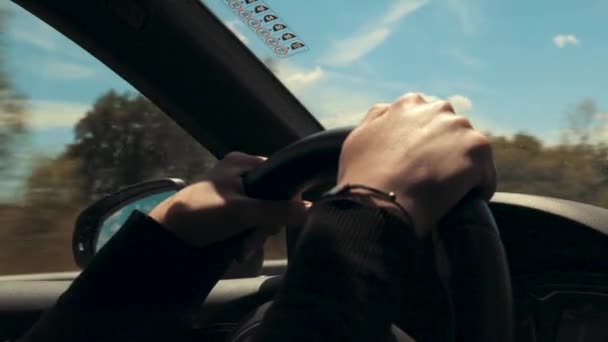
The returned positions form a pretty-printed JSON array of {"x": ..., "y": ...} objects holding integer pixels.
[{"x": 478, "y": 276}]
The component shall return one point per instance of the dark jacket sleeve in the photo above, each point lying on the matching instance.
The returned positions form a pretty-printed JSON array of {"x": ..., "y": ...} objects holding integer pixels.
[
  {"x": 349, "y": 271},
  {"x": 143, "y": 285}
]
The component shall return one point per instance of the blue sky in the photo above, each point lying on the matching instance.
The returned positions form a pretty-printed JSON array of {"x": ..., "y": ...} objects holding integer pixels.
[{"x": 509, "y": 65}]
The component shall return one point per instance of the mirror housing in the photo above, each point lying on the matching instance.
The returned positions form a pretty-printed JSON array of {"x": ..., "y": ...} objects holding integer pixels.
[{"x": 97, "y": 223}]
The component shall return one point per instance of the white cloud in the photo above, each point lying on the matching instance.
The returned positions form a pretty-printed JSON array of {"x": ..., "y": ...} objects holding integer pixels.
[
  {"x": 461, "y": 104},
  {"x": 337, "y": 99},
  {"x": 296, "y": 78},
  {"x": 67, "y": 71},
  {"x": 235, "y": 26},
  {"x": 353, "y": 48},
  {"x": 401, "y": 9},
  {"x": 302, "y": 77},
  {"x": 561, "y": 40},
  {"x": 46, "y": 114}
]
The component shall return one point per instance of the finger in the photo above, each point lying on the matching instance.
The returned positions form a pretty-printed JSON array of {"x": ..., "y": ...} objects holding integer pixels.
[
  {"x": 489, "y": 180},
  {"x": 307, "y": 204},
  {"x": 443, "y": 107},
  {"x": 483, "y": 160},
  {"x": 409, "y": 100},
  {"x": 375, "y": 112},
  {"x": 491, "y": 183},
  {"x": 456, "y": 121},
  {"x": 241, "y": 162}
]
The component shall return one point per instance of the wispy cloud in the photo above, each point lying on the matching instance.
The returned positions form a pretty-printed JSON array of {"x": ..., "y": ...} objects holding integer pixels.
[
  {"x": 400, "y": 10},
  {"x": 49, "y": 113},
  {"x": 465, "y": 58},
  {"x": 353, "y": 48},
  {"x": 27, "y": 29},
  {"x": 32, "y": 38},
  {"x": 466, "y": 14},
  {"x": 236, "y": 26},
  {"x": 561, "y": 40},
  {"x": 67, "y": 71}
]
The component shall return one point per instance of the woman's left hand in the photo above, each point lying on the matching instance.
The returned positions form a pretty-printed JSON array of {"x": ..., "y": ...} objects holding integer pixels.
[{"x": 217, "y": 208}]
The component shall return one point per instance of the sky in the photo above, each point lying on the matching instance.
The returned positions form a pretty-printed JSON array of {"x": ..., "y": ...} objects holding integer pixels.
[{"x": 509, "y": 65}]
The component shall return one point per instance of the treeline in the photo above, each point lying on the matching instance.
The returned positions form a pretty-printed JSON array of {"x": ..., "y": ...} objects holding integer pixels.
[
  {"x": 125, "y": 139},
  {"x": 122, "y": 140},
  {"x": 575, "y": 171}
]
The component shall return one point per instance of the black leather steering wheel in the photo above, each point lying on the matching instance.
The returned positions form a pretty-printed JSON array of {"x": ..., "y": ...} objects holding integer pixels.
[{"x": 478, "y": 278}]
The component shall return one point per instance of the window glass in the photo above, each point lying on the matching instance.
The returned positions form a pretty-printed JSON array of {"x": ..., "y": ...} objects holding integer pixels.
[
  {"x": 71, "y": 130},
  {"x": 529, "y": 73}
]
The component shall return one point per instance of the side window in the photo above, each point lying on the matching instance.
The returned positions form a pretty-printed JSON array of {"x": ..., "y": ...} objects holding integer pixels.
[{"x": 71, "y": 130}]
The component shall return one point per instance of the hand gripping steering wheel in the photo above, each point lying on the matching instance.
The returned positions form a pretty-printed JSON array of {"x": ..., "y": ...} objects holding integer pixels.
[{"x": 478, "y": 282}]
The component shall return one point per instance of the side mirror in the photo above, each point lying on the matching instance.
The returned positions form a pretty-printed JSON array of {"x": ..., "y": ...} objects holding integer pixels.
[{"x": 100, "y": 221}]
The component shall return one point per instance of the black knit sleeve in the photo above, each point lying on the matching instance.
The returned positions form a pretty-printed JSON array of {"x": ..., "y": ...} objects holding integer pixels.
[
  {"x": 143, "y": 285},
  {"x": 345, "y": 277}
]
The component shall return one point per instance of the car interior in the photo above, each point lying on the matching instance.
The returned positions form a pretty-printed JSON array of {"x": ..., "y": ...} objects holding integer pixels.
[{"x": 534, "y": 265}]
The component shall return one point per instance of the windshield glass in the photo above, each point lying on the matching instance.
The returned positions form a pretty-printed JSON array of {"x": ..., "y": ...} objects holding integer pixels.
[{"x": 530, "y": 74}]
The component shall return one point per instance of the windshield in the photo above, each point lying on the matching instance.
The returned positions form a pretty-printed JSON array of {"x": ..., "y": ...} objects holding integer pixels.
[{"x": 530, "y": 74}]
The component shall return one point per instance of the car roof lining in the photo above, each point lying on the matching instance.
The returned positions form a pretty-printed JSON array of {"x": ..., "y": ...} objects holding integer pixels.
[{"x": 182, "y": 58}]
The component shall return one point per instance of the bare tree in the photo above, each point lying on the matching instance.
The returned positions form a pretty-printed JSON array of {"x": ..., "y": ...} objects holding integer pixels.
[{"x": 580, "y": 120}]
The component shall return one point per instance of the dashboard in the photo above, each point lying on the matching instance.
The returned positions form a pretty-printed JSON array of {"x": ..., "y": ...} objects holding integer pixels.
[
  {"x": 562, "y": 307},
  {"x": 558, "y": 258}
]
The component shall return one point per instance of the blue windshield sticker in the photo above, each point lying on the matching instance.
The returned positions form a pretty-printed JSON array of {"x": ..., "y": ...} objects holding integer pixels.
[{"x": 269, "y": 27}]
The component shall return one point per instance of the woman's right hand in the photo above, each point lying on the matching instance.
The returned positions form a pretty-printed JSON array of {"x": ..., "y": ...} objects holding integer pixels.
[{"x": 424, "y": 153}]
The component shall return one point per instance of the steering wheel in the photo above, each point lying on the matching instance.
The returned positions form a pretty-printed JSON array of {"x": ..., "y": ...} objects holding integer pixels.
[{"x": 478, "y": 281}]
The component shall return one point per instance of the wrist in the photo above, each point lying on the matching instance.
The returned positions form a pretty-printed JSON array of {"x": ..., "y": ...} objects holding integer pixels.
[
  {"x": 159, "y": 213},
  {"x": 379, "y": 198},
  {"x": 165, "y": 214}
]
